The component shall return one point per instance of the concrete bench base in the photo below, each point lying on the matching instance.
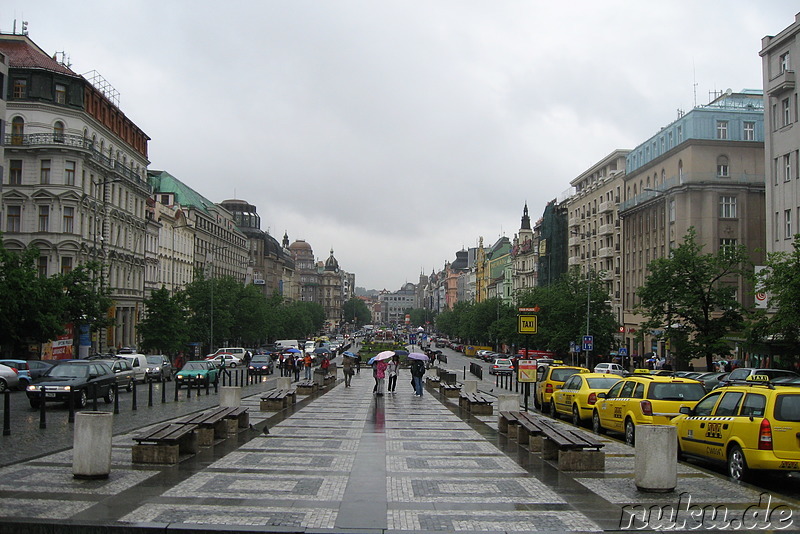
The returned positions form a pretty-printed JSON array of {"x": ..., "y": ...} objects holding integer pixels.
[
  {"x": 481, "y": 409},
  {"x": 305, "y": 389},
  {"x": 574, "y": 460},
  {"x": 271, "y": 405},
  {"x": 155, "y": 454}
]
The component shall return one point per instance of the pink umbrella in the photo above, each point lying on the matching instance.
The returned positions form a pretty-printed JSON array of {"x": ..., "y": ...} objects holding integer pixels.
[
  {"x": 418, "y": 356},
  {"x": 385, "y": 355}
]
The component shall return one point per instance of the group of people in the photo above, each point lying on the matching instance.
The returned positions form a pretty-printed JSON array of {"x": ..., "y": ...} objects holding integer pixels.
[
  {"x": 292, "y": 363},
  {"x": 385, "y": 373}
]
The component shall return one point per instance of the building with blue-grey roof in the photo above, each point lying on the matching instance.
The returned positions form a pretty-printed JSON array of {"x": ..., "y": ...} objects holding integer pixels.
[{"x": 705, "y": 170}]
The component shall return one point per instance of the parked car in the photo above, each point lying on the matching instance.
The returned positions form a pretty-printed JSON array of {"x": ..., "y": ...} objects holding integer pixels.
[
  {"x": 742, "y": 373},
  {"x": 577, "y": 397},
  {"x": 501, "y": 366},
  {"x": 9, "y": 378},
  {"x": 261, "y": 364},
  {"x": 158, "y": 368},
  {"x": 23, "y": 373},
  {"x": 750, "y": 425},
  {"x": 80, "y": 379},
  {"x": 197, "y": 373},
  {"x": 613, "y": 368},
  {"x": 39, "y": 367},
  {"x": 549, "y": 378},
  {"x": 123, "y": 371},
  {"x": 226, "y": 359}
]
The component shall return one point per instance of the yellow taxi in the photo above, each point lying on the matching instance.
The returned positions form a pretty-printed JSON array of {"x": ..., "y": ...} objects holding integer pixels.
[
  {"x": 643, "y": 399},
  {"x": 550, "y": 378},
  {"x": 748, "y": 425},
  {"x": 577, "y": 397}
]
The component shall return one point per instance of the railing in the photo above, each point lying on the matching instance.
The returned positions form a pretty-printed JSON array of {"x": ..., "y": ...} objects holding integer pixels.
[{"x": 72, "y": 141}]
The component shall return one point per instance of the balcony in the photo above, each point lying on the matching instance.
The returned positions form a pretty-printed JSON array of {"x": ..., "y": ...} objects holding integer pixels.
[
  {"x": 606, "y": 229},
  {"x": 574, "y": 241},
  {"x": 607, "y": 276},
  {"x": 574, "y": 260},
  {"x": 606, "y": 207},
  {"x": 783, "y": 82},
  {"x": 574, "y": 221},
  {"x": 607, "y": 252},
  {"x": 60, "y": 141}
]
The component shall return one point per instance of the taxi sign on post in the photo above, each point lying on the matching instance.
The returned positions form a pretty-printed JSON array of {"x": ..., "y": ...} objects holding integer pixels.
[
  {"x": 526, "y": 371},
  {"x": 527, "y": 324}
]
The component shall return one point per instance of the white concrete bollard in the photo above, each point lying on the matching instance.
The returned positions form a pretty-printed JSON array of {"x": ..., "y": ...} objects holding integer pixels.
[
  {"x": 91, "y": 445},
  {"x": 508, "y": 402},
  {"x": 656, "y": 458},
  {"x": 284, "y": 382},
  {"x": 230, "y": 397},
  {"x": 469, "y": 386}
]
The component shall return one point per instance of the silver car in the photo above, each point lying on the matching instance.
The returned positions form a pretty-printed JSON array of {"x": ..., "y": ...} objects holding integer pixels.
[{"x": 8, "y": 378}]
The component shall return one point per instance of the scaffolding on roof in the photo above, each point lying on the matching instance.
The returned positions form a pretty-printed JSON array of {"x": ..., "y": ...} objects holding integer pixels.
[{"x": 102, "y": 85}]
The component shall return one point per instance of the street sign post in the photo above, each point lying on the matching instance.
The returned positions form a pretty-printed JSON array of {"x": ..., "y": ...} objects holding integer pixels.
[
  {"x": 588, "y": 342},
  {"x": 527, "y": 324}
]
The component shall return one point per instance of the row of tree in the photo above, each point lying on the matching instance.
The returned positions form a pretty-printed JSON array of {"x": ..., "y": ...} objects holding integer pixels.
[
  {"x": 688, "y": 299},
  {"x": 207, "y": 311}
]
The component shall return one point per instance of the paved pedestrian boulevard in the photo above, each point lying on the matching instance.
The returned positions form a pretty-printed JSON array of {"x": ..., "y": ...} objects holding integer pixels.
[{"x": 347, "y": 461}]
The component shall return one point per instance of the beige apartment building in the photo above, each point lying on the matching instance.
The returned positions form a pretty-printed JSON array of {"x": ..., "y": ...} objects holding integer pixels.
[{"x": 595, "y": 233}]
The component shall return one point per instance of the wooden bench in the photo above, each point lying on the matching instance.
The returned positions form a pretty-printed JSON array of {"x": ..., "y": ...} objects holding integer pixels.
[
  {"x": 211, "y": 425},
  {"x": 239, "y": 416},
  {"x": 450, "y": 391},
  {"x": 278, "y": 399},
  {"x": 525, "y": 427},
  {"x": 476, "y": 403},
  {"x": 164, "y": 443},
  {"x": 432, "y": 380},
  {"x": 575, "y": 450},
  {"x": 305, "y": 387}
]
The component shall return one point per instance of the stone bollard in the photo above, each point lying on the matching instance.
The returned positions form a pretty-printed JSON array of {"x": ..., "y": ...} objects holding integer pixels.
[
  {"x": 91, "y": 449},
  {"x": 469, "y": 386},
  {"x": 284, "y": 382},
  {"x": 656, "y": 458},
  {"x": 230, "y": 397},
  {"x": 508, "y": 402}
]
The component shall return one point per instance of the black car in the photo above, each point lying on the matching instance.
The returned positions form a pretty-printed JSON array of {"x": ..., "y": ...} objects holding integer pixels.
[
  {"x": 80, "y": 379},
  {"x": 261, "y": 364}
]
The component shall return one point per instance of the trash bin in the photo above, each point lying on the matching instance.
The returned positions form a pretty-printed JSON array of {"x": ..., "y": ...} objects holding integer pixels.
[
  {"x": 91, "y": 445},
  {"x": 656, "y": 466}
]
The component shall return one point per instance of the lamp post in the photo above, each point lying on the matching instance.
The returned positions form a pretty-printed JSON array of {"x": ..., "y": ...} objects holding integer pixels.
[{"x": 588, "y": 304}]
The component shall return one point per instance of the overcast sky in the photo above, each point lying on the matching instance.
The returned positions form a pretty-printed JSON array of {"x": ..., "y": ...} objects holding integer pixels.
[{"x": 398, "y": 132}]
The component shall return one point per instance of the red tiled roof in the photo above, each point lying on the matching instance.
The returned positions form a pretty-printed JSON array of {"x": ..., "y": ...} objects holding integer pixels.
[{"x": 22, "y": 54}]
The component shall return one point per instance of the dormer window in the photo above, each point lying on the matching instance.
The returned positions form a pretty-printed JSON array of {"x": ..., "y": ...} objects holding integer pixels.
[{"x": 61, "y": 93}]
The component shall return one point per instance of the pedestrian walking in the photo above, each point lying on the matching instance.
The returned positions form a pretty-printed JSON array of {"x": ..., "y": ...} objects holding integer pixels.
[
  {"x": 307, "y": 366},
  {"x": 347, "y": 369},
  {"x": 392, "y": 368},
  {"x": 358, "y": 364},
  {"x": 297, "y": 364},
  {"x": 417, "y": 372},
  {"x": 380, "y": 376}
]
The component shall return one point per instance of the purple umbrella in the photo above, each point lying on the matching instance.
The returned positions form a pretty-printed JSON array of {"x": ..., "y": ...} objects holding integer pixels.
[{"x": 418, "y": 356}]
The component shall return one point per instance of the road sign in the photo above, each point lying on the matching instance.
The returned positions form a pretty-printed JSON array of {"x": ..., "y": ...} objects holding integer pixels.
[
  {"x": 588, "y": 342},
  {"x": 527, "y": 324},
  {"x": 526, "y": 371},
  {"x": 623, "y": 351}
]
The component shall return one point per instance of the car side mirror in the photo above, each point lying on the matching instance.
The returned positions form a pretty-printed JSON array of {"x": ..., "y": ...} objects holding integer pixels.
[
  {"x": 93, "y": 375},
  {"x": 601, "y": 395},
  {"x": 685, "y": 410}
]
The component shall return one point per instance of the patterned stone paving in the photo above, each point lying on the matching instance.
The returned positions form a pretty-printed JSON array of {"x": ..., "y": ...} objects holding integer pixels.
[
  {"x": 289, "y": 443},
  {"x": 479, "y": 464},
  {"x": 282, "y": 461},
  {"x": 447, "y": 435},
  {"x": 470, "y": 490},
  {"x": 435, "y": 447},
  {"x": 314, "y": 432},
  {"x": 489, "y": 520},
  {"x": 49, "y": 479},
  {"x": 251, "y": 486},
  {"x": 42, "y": 508},
  {"x": 316, "y": 517}
]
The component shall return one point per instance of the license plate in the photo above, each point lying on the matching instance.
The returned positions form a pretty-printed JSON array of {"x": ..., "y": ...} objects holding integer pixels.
[{"x": 49, "y": 394}]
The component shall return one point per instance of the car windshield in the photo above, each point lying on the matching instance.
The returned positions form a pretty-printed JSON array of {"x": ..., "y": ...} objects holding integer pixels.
[
  {"x": 601, "y": 383},
  {"x": 260, "y": 359},
  {"x": 502, "y": 362},
  {"x": 66, "y": 370},
  {"x": 195, "y": 366},
  {"x": 560, "y": 375},
  {"x": 155, "y": 359},
  {"x": 676, "y": 391}
]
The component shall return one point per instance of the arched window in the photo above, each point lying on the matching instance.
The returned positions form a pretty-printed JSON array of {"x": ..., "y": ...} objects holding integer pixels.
[
  {"x": 663, "y": 176},
  {"x": 58, "y": 132},
  {"x": 722, "y": 167},
  {"x": 94, "y": 141},
  {"x": 17, "y": 130},
  {"x": 680, "y": 171}
]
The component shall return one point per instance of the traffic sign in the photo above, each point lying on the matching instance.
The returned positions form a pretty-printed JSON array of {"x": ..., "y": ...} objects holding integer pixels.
[
  {"x": 526, "y": 371},
  {"x": 588, "y": 342},
  {"x": 527, "y": 324},
  {"x": 623, "y": 351}
]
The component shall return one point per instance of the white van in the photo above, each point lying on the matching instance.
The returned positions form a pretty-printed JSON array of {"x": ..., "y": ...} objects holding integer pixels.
[
  {"x": 283, "y": 344},
  {"x": 310, "y": 346},
  {"x": 139, "y": 364}
]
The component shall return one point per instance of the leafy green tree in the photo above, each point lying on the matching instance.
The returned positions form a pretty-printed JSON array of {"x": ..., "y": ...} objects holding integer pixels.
[
  {"x": 778, "y": 327},
  {"x": 86, "y": 301},
  {"x": 164, "y": 327},
  {"x": 693, "y": 294},
  {"x": 355, "y": 308}
]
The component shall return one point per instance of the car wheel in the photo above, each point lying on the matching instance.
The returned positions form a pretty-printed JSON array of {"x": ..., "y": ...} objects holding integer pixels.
[
  {"x": 576, "y": 415},
  {"x": 83, "y": 399},
  {"x": 232, "y": 364},
  {"x": 34, "y": 403},
  {"x": 630, "y": 432},
  {"x": 3, "y": 385},
  {"x": 597, "y": 428},
  {"x": 109, "y": 396},
  {"x": 737, "y": 464},
  {"x": 553, "y": 412}
]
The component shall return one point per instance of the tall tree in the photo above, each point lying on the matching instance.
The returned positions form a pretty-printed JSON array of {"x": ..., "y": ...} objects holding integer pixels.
[
  {"x": 355, "y": 311},
  {"x": 695, "y": 293},
  {"x": 164, "y": 327}
]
